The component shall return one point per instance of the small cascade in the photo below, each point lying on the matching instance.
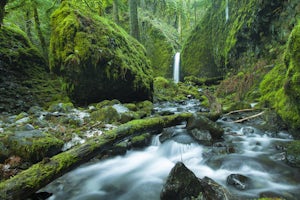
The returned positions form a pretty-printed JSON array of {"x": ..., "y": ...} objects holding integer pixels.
[
  {"x": 227, "y": 11},
  {"x": 176, "y": 67}
]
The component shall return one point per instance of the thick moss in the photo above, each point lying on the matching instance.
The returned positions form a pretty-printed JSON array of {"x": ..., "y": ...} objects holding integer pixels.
[
  {"x": 24, "y": 80},
  {"x": 280, "y": 87},
  {"x": 97, "y": 59},
  {"x": 293, "y": 153},
  {"x": 33, "y": 146}
]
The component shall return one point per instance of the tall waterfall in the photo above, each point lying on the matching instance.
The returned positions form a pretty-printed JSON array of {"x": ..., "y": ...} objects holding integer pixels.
[
  {"x": 227, "y": 11},
  {"x": 176, "y": 67}
]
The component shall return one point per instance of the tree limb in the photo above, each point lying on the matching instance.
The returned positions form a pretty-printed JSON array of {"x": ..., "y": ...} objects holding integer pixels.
[{"x": 247, "y": 118}]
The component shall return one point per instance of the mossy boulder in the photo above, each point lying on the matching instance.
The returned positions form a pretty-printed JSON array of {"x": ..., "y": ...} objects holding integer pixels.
[
  {"x": 106, "y": 114},
  {"x": 253, "y": 30},
  {"x": 293, "y": 153},
  {"x": 280, "y": 87},
  {"x": 24, "y": 79},
  {"x": 160, "y": 41},
  {"x": 33, "y": 145},
  {"x": 97, "y": 59}
]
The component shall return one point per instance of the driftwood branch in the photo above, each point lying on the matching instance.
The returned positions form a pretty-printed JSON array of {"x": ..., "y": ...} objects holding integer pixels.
[
  {"x": 247, "y": 118},
  {"x": 39, "y": 175},
  {"x": 243, "y": 110}
]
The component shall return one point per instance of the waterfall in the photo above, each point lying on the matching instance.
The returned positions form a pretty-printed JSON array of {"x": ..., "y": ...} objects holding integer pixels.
[
  {"x": 227, "y": 11},
  {"x": 176, "y": 67}
]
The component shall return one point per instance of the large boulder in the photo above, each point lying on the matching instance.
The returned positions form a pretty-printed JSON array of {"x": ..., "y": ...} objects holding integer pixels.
[
  {"x": 24, "y": 79},
  {"x": 97, "y": 59},
  {"x": 293, "y": 154}
]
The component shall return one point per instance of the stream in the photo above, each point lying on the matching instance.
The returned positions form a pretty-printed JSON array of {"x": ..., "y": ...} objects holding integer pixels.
[{"x": 141, "y": 173}]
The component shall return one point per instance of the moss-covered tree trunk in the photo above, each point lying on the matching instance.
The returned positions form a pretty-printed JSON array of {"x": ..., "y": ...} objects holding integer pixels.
[
  {"x": 2, "y": 10},
  {"x": 39, "y": 30},
  {"x": 116, "y": 11},
  {"x": 133, "y": 18},
  {"x": 29, "y": 181}
]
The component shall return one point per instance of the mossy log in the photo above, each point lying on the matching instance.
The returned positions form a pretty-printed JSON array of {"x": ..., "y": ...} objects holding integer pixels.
[{"x": 39, "y": 175}]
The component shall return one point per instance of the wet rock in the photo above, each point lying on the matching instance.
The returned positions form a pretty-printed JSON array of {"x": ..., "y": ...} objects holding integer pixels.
[
  {"x": 293, "y": 154},
  {"x": 214, "y": 191},
  {"x": 239, "y": 181},
  {"x": 202, "y": 123},
  {"x": 176, "y": 134},
  {"x": 202, "y": 136},
  {"x": 181, "y": 184},
  {"x": 33, "y": 145}
]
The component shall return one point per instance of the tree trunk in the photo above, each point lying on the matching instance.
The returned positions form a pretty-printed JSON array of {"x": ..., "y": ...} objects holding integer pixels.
[
  {"x": 2, "y": 10},
  {"x": 116, "y": 11},
  {"x": 39, "y": 31},
  {"x": 28, "y": 24},
  {"x": 133, "y": 18},
  {"x": 39, "y": 175}
]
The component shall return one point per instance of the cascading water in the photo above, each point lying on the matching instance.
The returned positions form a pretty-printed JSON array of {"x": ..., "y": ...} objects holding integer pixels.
[
  {"x": 140, "y": 174},
  {"x": 176, "y": 67},
  {"x": 227, "y": 11}
]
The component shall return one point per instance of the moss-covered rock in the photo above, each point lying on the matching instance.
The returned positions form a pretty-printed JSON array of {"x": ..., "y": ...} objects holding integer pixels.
[
  {"x": 160, "y": 41},
  {"x": 97, "y": 59},
  {"x": 280, "y": 87},
  {"x": 253, "y": 30},
  {"x": 167, "y": 90},
  {"x": 24, "y": 80},
  {"x": 33, "y": 145},
  {"x": 293, "y": 153},
  {"x": 106, "y": 114}
]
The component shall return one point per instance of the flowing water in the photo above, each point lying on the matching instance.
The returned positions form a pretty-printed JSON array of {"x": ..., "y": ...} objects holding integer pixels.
[
  {"x": 176, "y": 67},
  {"x": 140, "y": 174}
]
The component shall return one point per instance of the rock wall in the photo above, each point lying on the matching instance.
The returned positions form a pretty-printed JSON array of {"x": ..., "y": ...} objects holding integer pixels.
[
  {"x": 97, "y": 59},
  {"x": 160, "y": 41},
  {"x": 254, "y": 29},
  {"x": 281, "y": 86}
]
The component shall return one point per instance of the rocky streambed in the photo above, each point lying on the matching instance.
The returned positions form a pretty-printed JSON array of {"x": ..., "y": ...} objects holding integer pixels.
[{"x": 184, "y": 161}]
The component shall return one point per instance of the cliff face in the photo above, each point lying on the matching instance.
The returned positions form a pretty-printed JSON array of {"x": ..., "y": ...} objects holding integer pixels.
[{"x": 234, "y": 34}]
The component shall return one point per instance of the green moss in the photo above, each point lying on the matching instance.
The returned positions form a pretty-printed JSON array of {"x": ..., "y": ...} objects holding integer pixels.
[
  {"x": 106, "y": 114},
  {"x": 33, "y": 146},
  {"x": 160, "y": 41},
  {"x": 25, "y": 71},
  {"x": 280, "y": 87},
  {"x": 85, "y": 45}
]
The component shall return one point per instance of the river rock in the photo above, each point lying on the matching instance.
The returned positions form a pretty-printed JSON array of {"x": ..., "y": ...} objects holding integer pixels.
[
  {"x": 97, "y": 59},
  {"x": 183, "y": 184},
  {"x": 33, "y": 145},
  {"x": 198, "y": 126},
  {"x": 239, "y": 181},
  {"x": 293, "y": 154}
]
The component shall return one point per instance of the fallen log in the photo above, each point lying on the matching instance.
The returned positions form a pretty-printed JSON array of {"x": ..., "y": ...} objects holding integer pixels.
[{"x": 39, "y": 175}]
